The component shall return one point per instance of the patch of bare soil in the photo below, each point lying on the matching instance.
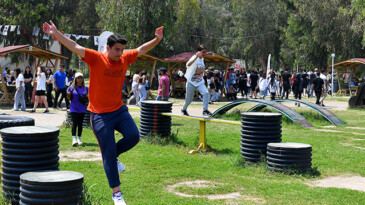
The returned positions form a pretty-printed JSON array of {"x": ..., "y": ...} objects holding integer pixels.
[
  {"x": 206, "y": 184},
  {"x": 79, "y": 156},
  {"x": 346, "y": 182}
]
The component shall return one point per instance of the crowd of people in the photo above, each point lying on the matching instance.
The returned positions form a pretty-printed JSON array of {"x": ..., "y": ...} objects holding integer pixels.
[
  {"x": 257, "y": 84},
  {"x": 40, "y": 86}
]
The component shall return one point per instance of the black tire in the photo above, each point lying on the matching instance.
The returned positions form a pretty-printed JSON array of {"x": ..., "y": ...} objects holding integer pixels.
[{"x": 15, "y": 121}]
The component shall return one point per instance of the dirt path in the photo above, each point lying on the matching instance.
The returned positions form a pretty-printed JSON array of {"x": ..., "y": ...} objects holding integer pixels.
[{"x": 53, "y": 119}]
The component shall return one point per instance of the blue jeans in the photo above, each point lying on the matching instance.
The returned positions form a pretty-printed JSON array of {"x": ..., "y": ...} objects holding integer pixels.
[
  {"x": 159, "y": 98},
  {"x": 19, "y": 97},
  {"x": 103, "y": 126}
]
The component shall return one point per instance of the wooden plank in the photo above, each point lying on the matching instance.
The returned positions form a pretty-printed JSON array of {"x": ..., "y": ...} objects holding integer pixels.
[
  {"x": 206, "y": 119},
  {"x": 153, "y": 72}
]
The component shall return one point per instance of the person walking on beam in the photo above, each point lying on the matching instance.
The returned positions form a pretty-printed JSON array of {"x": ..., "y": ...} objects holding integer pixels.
[{"x": 108, "y": 113}]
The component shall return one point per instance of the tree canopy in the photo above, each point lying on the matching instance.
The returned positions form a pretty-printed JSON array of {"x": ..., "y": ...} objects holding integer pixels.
[{"x": 300, "y": 33}]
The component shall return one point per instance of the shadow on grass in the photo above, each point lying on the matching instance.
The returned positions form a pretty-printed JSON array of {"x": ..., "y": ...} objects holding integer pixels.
[
  {"x": 312, "y": 172},
  {"x": 163, "y": 141},
  {"x": 90, "y": 144}
]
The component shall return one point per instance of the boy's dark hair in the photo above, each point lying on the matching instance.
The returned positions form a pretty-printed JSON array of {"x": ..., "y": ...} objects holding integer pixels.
[
  {"x": 322, "y": 71},
  {"x": 201, "y": 47},
  {"x": 116, "y": 38},
  {"x": 63, "y": 66},
  {"x": 318, "y": 74}
]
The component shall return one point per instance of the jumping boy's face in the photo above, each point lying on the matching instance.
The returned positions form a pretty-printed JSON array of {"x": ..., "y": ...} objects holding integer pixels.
[{"x": 116, "y": 51}]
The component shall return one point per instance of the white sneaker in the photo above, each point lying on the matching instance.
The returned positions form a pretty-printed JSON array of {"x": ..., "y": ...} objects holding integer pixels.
[
  {"x": 118, "y": 198},
  {"x": 79, "y": 141},
  {"x": 74, "y": 142},
  {"x": 121, "y": 167}
]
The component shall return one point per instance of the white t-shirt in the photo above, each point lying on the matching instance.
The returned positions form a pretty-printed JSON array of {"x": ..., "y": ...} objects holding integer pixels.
[
  {"x": 324, "y": 78},
  {"x": 274, "y": 87},
  {"x": 41, "y": 82},
  {"x": 248, "y": 82},
  {"x": 50, "y": 78},
  {"x": 194, "y": 72},
  {"x": 19, "y": 79},
  {"x": 263, "y": 84}
]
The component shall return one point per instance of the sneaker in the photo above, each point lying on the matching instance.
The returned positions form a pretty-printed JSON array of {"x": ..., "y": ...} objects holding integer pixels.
[
  {"x": 46, "y": 111},
  {"x": 118, "y": 198},
  {"x": 79, "y": 142},
  {"x": 184, "y": 112},
  {"x": 74, "y": 142},
  {"x": 207, "y": 113},
  {"x": 121, "y": 167},
  {"x": 32, "y": 111}
]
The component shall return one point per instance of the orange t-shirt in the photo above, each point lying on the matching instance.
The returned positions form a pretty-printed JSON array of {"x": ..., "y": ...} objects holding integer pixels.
[{"x": 107, "y": 79}]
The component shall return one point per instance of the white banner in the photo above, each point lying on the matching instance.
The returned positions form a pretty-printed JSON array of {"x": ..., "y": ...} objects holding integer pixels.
[
  {"x": 18, "y": 30},
  {"x": 1, "y": 27},
  {"x": 86, "y": 37},
  {"x": 12, "y": 28},
  {"x": 36, "y": 31},
  {"x": 96, "y": 40},
  {"x": 46, "y": 36},
  {"x": 5, "y": 31},
  {"x": 103, "y": 39},
  {"x": 67, "y": 35},
  {"x": 76, "y": 36}
]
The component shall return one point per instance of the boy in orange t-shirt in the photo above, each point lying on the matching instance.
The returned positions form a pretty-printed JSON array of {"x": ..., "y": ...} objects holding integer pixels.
[{"x": 107, "y": 74}]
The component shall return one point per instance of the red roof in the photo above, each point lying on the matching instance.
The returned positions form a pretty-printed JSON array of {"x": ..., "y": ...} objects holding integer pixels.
[{"x": 361, "y": 59}]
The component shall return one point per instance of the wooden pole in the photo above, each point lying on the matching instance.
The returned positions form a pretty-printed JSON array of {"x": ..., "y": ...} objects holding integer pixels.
[
  {"x": 224, "y": 80},
  {"x": 153, "y": 71},
  {"x": 5, "y": 97}
]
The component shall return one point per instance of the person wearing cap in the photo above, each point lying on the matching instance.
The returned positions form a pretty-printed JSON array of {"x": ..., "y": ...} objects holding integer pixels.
[
  {"x": 77, "y": 93},
  {"x": 195, "y": 68},
  {"x": 40, "y": 94},
  {"x": 108, "y": 112},
  {"x": 163, "y": 85}
]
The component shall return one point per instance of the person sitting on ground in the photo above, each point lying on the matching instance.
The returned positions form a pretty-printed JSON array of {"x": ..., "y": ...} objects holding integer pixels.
[
  {"x": 232, "y": 92},
  {"x": 78, "y": 94},
  {"x": 40, "y": 94}
]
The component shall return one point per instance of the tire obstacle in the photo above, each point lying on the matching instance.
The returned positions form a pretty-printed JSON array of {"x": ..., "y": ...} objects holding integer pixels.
[
  {"x": 332, "y": 118},
  {"x": 287, "y": 111},
  {"x": 358, "y": 101}
]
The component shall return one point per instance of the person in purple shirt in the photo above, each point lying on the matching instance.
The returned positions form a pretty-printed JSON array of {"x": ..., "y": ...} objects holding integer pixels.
[
  {"x": 163, "y": 85},
  {"x": 77, "y": 93}
]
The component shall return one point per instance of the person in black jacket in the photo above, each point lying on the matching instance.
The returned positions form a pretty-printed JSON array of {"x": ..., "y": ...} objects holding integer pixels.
[
  {"x": 298, "y": 86},
  {"x": 318, "y": 87}
]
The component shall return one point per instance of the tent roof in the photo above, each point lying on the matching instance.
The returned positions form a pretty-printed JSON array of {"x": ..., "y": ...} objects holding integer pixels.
[
  {"x": 32, "y": 50},
  {"x": 184, "y": 57},
  {"x": 351, "y": 62},
  {"x": 147, "y": 57}
]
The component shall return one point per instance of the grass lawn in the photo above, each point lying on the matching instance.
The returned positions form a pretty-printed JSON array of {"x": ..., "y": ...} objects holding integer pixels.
[{"x": 155, "y": 164}]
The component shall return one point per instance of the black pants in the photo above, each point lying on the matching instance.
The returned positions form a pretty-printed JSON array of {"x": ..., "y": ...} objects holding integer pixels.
[
  {"x": 318, "y": 95},
  {"x": 77, "y": 120},
  {"x": 298, "y": 95},
  {"x": 273, "y": 95},
  {"x": 28, "y": 93},
  {"x": 64, "y": 95},
  {"x": 244, "y": 89},
  {"x": 232, "y": 96},
  {"x": 286, "y": 87},
  {"x": 49, "y": 94}
]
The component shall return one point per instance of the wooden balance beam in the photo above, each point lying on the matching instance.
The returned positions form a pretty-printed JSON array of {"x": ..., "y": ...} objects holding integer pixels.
[{"x": 202, "y": 123}]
